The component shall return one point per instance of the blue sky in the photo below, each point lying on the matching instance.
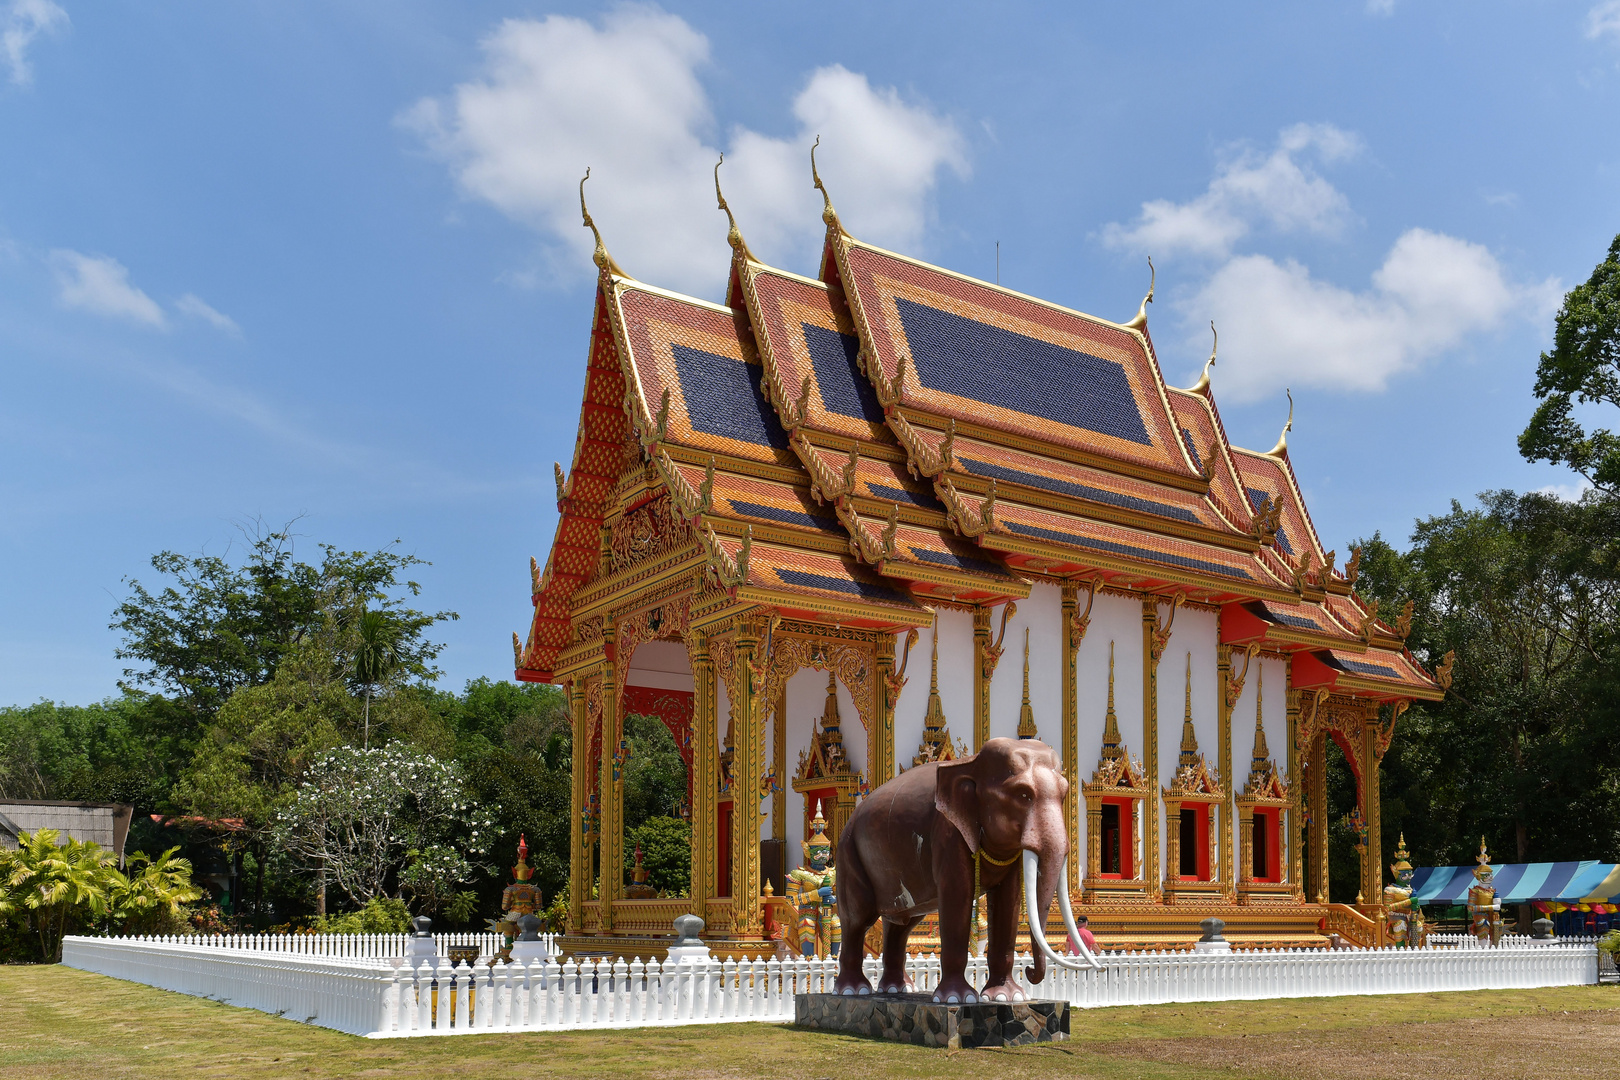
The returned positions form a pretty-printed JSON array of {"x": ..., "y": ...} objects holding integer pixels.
[{"x": 263, "y": 260}]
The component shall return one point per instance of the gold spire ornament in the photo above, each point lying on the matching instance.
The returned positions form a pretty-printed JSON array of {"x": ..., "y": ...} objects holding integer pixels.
[
  {"x": 828, "y": 214},
  {"x": 1202, "y": 385},
  {"x": 734, "y": 235},
  {"x": 1281, "y": 449},
  {"x": 1262, "y": 753},
  {"x": 1026, "y": 715},
  {"x": 936, "y": 740},
  {"x": 1189, "y": 737},
  {"x": 1111, "y": 738},
  {"x": 604, "y": 261},
  {"x": 1139, "y": 320}
]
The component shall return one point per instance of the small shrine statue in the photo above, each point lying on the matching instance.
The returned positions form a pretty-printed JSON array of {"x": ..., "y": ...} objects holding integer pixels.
[
  {"x": 810, "y": 890},
  {"x": 519, "y": 899},
  {"x": 1484, "y": 909},
  {"x": 638, "y": 888},
  {"x": 1405, "y": 918}
]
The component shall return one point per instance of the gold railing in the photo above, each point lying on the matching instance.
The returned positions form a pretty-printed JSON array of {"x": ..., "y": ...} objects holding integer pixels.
[{"x": 1353, "y": 926}]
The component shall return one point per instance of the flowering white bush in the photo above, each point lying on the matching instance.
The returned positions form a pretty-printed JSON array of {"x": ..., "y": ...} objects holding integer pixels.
[{"x": 364, "y": 813}]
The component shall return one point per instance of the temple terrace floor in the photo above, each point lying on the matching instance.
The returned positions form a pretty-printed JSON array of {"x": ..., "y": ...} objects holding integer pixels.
[{"x": 62, "y": 1023}]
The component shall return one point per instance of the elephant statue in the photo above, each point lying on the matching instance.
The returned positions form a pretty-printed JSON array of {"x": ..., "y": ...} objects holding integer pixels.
[{"x": 933, "y": 838}]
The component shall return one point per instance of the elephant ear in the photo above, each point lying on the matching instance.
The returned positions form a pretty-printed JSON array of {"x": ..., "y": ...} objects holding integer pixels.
[{"x": 956, "y": 795}]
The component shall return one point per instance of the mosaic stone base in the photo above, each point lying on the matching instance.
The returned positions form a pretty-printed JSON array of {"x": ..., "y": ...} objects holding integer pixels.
[{"x": 915, "y": 1019}]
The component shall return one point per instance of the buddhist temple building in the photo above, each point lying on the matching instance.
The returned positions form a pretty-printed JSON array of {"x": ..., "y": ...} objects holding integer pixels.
[{"x": 838, "y": 527}]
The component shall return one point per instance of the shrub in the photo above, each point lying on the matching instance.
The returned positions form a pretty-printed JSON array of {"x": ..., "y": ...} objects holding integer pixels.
[{"x": 379, "y": 916}]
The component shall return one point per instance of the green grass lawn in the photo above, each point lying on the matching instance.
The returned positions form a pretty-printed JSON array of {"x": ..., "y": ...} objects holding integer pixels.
[{"x": 56, "y": 1022}]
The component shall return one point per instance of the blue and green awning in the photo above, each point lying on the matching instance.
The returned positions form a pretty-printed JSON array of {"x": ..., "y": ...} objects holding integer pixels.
[{"x": 1586, "y": 881}]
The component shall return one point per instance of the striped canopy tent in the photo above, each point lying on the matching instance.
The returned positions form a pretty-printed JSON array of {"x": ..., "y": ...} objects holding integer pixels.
[
  {"x": 1604, "y": 889},
  {"x": 1517, "y": 883}
]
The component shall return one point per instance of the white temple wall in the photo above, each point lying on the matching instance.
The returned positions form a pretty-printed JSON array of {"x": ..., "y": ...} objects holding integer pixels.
[
  {"x": 1194, "y": 635},
  {"x": 955, "y": 678},
  {"x": 1117, "y": 619},
  {"x": 913, "y": 702},
  {"x": 1041, "y": 613},
  {"x": 806, "y": 699}
]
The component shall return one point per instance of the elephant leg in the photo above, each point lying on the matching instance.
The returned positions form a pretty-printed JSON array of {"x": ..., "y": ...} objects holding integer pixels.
[
  {"x": 895, "y": 934},
  {"x": 857, "y": 910},
  {"x": 955, "y": 917},
  {"x": 1003, "y": 903}
]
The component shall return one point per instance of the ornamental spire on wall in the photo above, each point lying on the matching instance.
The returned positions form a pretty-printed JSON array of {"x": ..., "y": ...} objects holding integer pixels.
[
  {"x": 1026, "y": 715},
  {"x": 936, "y": 740},
  {"x": 1189, "y": 738},
  {"x": 1111, "y": 740}
]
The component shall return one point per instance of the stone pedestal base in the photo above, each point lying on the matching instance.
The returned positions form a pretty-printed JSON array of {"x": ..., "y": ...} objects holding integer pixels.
[{"x": 915, "y": 1019}]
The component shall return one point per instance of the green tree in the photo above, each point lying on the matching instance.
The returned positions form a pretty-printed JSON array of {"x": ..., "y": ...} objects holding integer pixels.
[
  {"x": 377, "y": 657},
  {"x": 1583, "y": 367},
  {"x": 666, "y": 853},
  {"x": 150, "y": 893},
  {"x": 56, "y": 887},
  {"x": 1524, "y": 590},
  {"x": 361, "y": 815},
  {"x": 221, "y": 626}
]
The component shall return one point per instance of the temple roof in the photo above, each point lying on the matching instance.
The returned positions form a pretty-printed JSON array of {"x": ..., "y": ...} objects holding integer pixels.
[{"x": 896, "y": 434}]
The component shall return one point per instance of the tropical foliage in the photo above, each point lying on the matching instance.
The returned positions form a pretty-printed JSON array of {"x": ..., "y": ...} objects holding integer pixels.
[{"x": 50, "y": 889}]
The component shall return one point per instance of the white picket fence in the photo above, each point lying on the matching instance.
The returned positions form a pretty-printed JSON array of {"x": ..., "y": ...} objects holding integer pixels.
[
  {"x": 377, "y": 946},
  {"x": 387, "y": 998}
]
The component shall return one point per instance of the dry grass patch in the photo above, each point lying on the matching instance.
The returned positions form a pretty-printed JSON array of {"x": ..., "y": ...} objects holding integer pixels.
[{"x": 62, "y": 1023}]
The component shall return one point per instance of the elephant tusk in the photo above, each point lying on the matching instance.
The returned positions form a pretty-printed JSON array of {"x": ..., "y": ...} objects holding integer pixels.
[
  {"x": 1037, "y": 931},
  {"x": 1068, "y": 915}
]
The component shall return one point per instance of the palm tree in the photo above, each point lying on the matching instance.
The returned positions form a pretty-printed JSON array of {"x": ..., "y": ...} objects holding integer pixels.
[
  {"x": 377, "y": 657},
  {"x": 56, "y": 883},
  {"x": 153, "y": 886}
]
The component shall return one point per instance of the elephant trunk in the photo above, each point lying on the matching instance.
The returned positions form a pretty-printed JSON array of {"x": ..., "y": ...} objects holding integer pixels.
[{"x": 1041, "y": 880}]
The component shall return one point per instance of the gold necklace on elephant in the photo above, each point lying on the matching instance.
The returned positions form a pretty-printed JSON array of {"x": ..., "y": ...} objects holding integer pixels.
[{"x": 977, "y": 856}]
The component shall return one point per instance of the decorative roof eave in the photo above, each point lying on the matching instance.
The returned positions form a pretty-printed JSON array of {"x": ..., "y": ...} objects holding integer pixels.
[
  {"x": 1308, "y": 672},
  {"x": 921, "y": 420},
  {"x": 1240, "y": 626},
  {"x": 1206, "y": 401},
  {"x": 1286, "y": 467},
  {"x": 581, "y": 510},
  {"x": 1139, "y": 571},
  {"x": 971, "y": 484},
  {"x": 882, "y": 616}
]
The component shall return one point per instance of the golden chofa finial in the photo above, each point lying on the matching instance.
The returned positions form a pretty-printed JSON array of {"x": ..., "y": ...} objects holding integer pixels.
[
  {"x": 1140, "y": 320},
  {"x": 604, "y": 262},
  {"x": 1202, "y": 385},
  {"x": 734, "y": 235},
  {"x": 1281, "y": 449},
  {"x": 828, "y": 214}
]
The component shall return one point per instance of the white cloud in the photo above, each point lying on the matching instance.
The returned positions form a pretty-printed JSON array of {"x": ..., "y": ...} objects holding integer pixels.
[
  {"x": 1280, "y": 326},
  {"x": 24, "y": 21},
  {"x": 1280, "y": 189},
  {"x": 193, "y": 305},
  {"x": 559, "y": 94},
  {"x": 1380, "y": 7},
  {"x": 100, "y": 284},
  {"x": 1604, "y": 20},
  {"x": 1570, "y": 492}
]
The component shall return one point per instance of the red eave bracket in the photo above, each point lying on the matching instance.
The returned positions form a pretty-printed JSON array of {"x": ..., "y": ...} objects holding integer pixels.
[
  {"x": 1240, "y": 626},
  {"x": 1308, "y": 673}
]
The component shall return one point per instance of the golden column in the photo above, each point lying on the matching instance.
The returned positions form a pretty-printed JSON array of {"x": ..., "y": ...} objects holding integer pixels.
[
  {"x": 579, "y": 866},
  {"x": 779, "y": 767},
  {"x": 1295, "y": 855},
  {"x": 705, "y": 781},
  {"x": 1317, "y": 782},
  {"x": 611, "y": 785},
  {"x": 880, "y": 765},
  {"x": 1072, "y": 636},
  {"x": 1150, "y": 745},
  {"x": 982, "y": 669},
  {"x": 1372, "y": 863},
  {"x": 1223, "y": 672},
  {"x": 750, "y": 661}
]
